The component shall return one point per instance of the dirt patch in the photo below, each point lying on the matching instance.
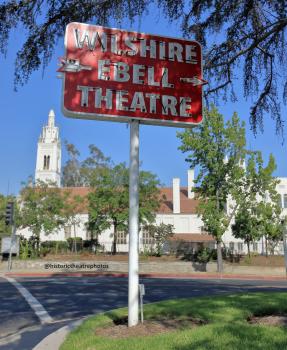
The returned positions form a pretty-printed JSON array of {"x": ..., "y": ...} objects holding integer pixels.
[
  {"x": 120, "y": 328},
  {"x": 261, "y": 260},
  {"x": 271, "y": 320}
]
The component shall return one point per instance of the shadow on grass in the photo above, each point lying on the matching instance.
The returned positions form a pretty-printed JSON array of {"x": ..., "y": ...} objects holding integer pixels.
[
  {"x": 237, "y": 337},
  {"x": 228, "y": 308}
]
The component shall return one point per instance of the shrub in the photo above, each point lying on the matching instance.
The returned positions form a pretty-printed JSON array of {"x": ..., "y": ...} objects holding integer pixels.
[
  {"x": 75, "y": 244},
  {"x": 54, "y": 247}
]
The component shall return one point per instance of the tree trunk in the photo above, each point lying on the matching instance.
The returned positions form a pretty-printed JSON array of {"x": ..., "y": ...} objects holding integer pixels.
[
  {"x": 219, "y": 251},
  {"x": 114, "y": 247},
  {"x": 219, "y": 257},
  {"x": 248, "y": 248},
  {"x": 38, "y": 245},
  {"x": 75, "y": 243}
]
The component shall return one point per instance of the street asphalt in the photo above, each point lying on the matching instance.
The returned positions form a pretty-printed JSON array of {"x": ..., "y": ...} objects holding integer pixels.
[{"x": 70, "y": 298}]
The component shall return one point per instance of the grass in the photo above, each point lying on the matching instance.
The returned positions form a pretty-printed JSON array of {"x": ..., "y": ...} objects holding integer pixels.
[{"x": 227, "y": 327}]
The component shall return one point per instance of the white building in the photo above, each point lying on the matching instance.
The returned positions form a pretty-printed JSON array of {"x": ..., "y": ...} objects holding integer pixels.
[
  {"x": 48, "y": 163},
  {"x": 178, "y": 207}
]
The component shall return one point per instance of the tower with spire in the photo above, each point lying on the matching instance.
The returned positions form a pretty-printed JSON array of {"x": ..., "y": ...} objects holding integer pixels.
[{"x": 48, "y": 163}]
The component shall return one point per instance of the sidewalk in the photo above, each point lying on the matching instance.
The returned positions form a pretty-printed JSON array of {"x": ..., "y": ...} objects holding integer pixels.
[{"x": 88, "y": 268}]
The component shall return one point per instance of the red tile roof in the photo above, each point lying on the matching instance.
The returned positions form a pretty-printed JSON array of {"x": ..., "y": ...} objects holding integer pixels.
[{"x": 187, "y": 206}]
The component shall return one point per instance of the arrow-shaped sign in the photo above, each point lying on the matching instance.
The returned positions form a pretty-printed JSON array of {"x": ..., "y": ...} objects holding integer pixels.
[
  {"x": 195, "y": 81},
  {"x": 72, "y": 65}
]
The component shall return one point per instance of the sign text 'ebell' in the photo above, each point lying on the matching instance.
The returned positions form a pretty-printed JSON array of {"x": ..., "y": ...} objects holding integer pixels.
[{"x": 112, "y": 74}]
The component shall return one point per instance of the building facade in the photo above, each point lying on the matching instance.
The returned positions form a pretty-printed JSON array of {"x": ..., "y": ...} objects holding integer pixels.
[{"x": 179, "y": 208}]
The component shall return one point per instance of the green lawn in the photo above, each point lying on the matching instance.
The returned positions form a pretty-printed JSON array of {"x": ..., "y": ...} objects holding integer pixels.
[{"x": 227, "y": 327}]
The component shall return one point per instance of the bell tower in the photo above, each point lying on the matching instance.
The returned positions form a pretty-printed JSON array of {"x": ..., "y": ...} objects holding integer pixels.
[{"x": 48, "y": 163}]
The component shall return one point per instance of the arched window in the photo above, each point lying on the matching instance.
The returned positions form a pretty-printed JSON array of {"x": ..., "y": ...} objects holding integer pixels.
[{"x": 46, "y": 162}]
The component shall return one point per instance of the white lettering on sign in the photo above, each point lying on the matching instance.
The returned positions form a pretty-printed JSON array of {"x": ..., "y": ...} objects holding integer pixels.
[
  {"x": 150, "y": 48},
  {"x": 138, "y": 72},
  {"x": 138, "y": 102},
  {"x": 175, "y": 50},
  {"x": 168, "y": 105},
  {"x": 113, "y": 74},
  {"x": 90, "y": 40},
  {"x": 152, "y": 102},
  {"x": 162, "y": 50},
  {"x": 85, "y": 95},
  {"x": 125, "y": 101},
  {"x": 150, "y": 77},
  {"x": 103, "y": 69},
  {"x": 184, "y": 106},
  {"x": 121, "y": 97},
  {"x": 131, "y": 45},
  {"x": 164, "y": 79},
  {"x": 190, "y": 54},
  {"x": 99, "y": 98},
  {"x": 121, "y": 72}
]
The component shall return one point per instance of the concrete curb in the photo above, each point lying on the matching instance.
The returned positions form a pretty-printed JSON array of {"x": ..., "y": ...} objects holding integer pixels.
[
  {"x": 149, "y": 275},
  {"x": 54, "y": 340}
]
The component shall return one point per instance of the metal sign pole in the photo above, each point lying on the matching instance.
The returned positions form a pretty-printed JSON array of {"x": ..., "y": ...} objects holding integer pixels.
[
  {"x": 142, "y": 293},
  {"x": 133, "y": 298}
]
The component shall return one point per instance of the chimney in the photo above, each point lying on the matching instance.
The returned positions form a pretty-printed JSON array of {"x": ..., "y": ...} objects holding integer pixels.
[
  {"x": 176, "y": 195},
  {"x": 190, "y": 183}
]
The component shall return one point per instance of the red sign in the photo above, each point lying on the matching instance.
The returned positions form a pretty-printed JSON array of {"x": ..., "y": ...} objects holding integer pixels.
[{"x": 112, "y": 74}]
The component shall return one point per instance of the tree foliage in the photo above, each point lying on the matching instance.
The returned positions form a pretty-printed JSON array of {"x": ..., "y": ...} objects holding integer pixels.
[
  {"x": 71, "y": 176},
  {"x": 271, "y": 224},
  {"x": 160, "y": 233},
  {"x": 77, "y": 173},
  {"x": 246, "y": 225},
  {"x": 109, "y": 200},
  {"x": 258, "y": 213},
  {"x": 4, "y": 229},
  {"x": 240, "y": 39},
  {"x": 249, "y": 35},
  {"x": 41, "y": 208},
  {"x": 218, "y": 148},
  {"x": 225, "y": 186},
  {"x": 70, "y": 213}
]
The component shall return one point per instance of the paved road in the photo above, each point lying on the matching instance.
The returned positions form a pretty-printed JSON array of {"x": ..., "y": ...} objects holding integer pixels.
[{"x": 69, "y": 298}]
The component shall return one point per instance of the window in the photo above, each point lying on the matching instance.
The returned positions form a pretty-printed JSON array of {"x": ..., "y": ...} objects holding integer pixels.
[
  {"x": 231, "y": 246},
  {"x": 67, "y": 230},
  {"x": 46, "y": 162},
  {"x": 240, "y": 247},
  {"x": 146, "y": 238},
  {"x": 122, "y": 237},
  {"x": 255, "y": 247},
  {"x": 285, "y": 201}
]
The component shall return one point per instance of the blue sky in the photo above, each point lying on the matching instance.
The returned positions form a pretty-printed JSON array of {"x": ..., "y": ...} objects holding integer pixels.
[{"x": 23, "y": 114}]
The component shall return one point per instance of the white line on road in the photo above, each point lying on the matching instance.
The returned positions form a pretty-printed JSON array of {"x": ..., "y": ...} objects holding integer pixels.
[{"x": 32, "y": 301}]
